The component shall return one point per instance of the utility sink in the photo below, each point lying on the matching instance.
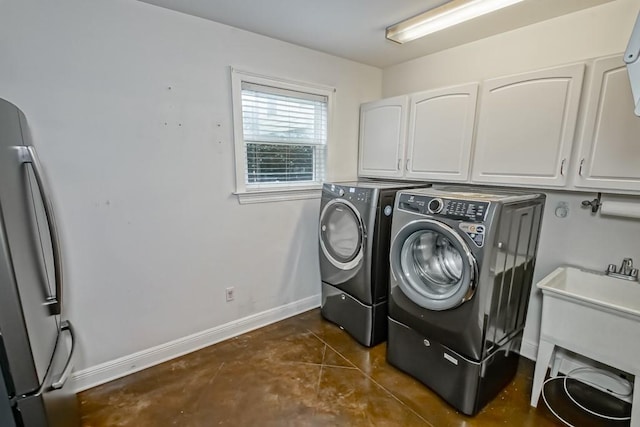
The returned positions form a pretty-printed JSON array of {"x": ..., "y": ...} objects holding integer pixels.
[
  {"x": 592, "y": 314},
  {"x": 593, "y": 288}
]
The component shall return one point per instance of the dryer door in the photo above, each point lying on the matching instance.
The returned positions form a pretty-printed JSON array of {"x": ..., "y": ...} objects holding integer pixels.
[
  {"x": 433, "y": 265},
  {"x": 341, "y": 234}
]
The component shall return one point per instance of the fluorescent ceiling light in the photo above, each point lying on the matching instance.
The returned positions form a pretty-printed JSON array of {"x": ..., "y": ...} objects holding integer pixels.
[{"x": 445, "y": 16}]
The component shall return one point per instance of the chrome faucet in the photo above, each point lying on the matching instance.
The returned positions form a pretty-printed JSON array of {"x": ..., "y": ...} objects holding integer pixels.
[{"x": 626, "y": 270}]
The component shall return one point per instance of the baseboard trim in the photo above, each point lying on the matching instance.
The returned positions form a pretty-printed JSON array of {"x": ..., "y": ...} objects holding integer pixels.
[
  {"x": 529, "y": 349},
  {"x": 117, "y": 368}
]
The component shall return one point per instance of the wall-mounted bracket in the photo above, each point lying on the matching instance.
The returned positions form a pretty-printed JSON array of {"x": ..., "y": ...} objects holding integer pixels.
[{"x": 594, "y": 204}]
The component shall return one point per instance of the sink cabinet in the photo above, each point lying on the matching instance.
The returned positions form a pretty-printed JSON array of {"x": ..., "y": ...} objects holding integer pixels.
[
  {"x": 440, "y": 133},
  {"x": 526, "y": 126},
  {"x": 383, "y": 127},
  {"x": 609, "y": 153},
  {"x": 538, "y": 129},
  {"x": 425, "y": 136}
]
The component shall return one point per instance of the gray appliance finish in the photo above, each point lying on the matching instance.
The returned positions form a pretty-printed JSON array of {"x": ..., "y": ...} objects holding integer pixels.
[
  {"x": 462, "y": 261},
  {"x": 354, "y": 234},
  {"x": 36, "y": 345}
]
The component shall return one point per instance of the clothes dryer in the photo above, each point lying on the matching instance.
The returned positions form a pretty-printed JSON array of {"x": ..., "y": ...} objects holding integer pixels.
[
  {"x": 354, "y": 234},
  {"x": 462, "y": 263}
]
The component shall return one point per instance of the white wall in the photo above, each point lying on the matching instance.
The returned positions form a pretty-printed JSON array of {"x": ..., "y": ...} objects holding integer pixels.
[
  {"x": 581, "y": 239},
  {"x": 130, "y": 108},
  {"x": 593, "y": 32}
]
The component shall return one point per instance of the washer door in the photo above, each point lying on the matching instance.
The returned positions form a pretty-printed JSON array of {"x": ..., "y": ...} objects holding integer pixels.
[
  {"x": 341, "y": 234},
  {"x": 433, "y": 265}
]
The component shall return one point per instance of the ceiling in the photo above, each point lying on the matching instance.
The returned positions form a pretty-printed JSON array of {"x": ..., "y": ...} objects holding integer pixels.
[{"x": 355, "y": 29}]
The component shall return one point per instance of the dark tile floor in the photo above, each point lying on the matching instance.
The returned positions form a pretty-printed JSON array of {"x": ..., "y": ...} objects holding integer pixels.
[{"x": 302, "y": 371}]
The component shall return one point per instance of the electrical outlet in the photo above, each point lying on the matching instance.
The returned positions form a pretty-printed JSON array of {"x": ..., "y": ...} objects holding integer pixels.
[{"x": 230, "y": 293}]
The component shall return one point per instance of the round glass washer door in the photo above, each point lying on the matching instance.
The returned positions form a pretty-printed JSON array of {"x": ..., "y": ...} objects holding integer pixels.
[
  {"x": 341, "y": 234},
  {"x": 433, "y": 265}
]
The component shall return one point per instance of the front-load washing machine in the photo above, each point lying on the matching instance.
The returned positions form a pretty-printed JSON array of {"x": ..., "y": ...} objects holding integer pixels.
[
  {"x": 355, "y": 226},
  {"x": 462, "y": 262}
]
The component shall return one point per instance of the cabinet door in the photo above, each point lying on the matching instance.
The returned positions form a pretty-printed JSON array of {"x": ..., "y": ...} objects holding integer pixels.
[
  {"x": 526, "y": 127},
  {"x": 440, "y": 133},
  {"x": 610, "y": 145},
  {"x": 383, "y": 126}
]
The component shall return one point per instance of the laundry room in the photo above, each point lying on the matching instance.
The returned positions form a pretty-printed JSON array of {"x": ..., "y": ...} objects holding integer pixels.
[{"x": 283, "y": 213}]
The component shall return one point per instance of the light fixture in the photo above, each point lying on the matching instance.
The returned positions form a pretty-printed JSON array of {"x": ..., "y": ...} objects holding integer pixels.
[{"x": 439, "y": 18}]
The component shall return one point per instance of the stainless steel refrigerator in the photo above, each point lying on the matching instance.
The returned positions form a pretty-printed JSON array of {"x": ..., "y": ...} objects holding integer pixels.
[{"x": 36, "y": 343}]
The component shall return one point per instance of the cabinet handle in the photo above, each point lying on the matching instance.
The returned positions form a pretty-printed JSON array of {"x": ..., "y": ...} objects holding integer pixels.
[
  {"x": 562, "y": 166},
  {"x": 406, "y": 166},
  {"x": 580, "y": 170},
  {"x": 399, "y": 162}
]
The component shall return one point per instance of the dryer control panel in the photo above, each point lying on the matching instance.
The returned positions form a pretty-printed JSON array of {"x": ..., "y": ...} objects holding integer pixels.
[
  {"x": 353, "y": 194},
  {"x": 464, "y": 210}
]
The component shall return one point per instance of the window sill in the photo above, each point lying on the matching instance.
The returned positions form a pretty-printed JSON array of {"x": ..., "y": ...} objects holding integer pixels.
[{"x": 277, "y": 195}]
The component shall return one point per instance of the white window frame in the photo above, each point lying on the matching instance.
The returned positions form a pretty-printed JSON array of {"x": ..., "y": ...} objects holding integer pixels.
[{"x": 276, "y": 192}]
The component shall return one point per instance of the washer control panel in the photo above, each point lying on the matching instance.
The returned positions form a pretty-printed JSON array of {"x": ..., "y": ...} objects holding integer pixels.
[
  {"x": 465, "y": 210},
  {"x": 353, "y": 194}
]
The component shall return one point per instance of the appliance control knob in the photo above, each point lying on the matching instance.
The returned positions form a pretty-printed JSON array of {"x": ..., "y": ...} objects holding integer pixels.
[
  {"x": 435, "y": 206},
  {"x": 341, "y": 192}
]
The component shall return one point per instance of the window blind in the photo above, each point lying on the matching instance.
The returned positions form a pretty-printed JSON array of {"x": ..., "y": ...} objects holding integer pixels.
[{"x": 285, "y": 135}]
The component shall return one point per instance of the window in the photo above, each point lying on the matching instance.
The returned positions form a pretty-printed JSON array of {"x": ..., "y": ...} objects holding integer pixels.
[{"x": 281, "y": 132}]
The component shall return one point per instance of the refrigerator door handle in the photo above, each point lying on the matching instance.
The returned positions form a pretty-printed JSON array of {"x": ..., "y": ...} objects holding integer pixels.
[
  {"x": 59, "y": 383},
  {"x": 28, "y": 155}
]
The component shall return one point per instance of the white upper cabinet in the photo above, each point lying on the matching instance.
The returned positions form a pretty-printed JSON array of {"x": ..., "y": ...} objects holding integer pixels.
[
  {"x": 441, "y": 133},
  {"x": 383, "y": 127},
  {"x": 526, "y": 127},
  {"x": 609, "y": 155}
]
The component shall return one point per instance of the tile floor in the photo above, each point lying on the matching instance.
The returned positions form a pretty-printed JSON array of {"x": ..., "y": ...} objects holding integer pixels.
[{"x": 302, "y": 371}]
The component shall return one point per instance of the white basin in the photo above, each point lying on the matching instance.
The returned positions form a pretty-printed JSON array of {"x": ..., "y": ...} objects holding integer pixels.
[
  {"x": 595, "y": 288},
  {"x": 594, "y": 315}
]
